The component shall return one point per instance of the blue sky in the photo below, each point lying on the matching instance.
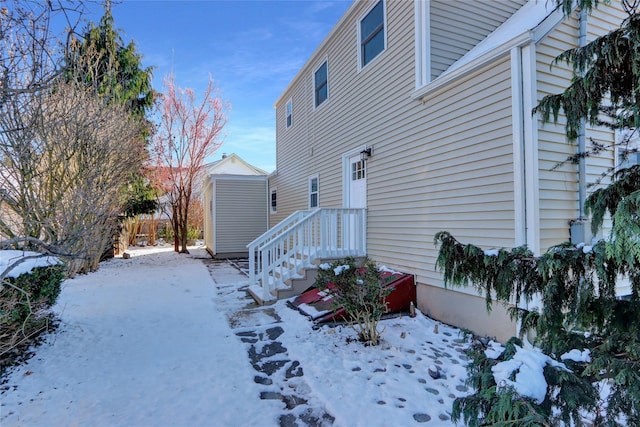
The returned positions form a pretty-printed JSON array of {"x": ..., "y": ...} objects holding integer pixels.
[{"x": 251, "y": 48}]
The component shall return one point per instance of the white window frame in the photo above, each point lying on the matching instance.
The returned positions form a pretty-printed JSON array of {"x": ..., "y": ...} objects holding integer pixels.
[
  {"x": 289, "y": 113},
  {"x": 273, "y": 192},
  {"x": 422, "y": 42},
  {"x": 324, "y": 62},
  {"x": 361, "y": 64},
  {"x": 634, "y": 143},
  {"x": 317, "y": 192}
]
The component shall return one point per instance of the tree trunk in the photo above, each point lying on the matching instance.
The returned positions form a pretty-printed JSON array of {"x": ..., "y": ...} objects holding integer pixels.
[
  {"x": 174, "y": 225},
  {"x": 185, "y": 224}
]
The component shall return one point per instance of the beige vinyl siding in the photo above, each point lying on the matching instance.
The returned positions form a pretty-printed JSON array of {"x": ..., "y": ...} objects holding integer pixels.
[
  {"x": 607, "y": 19},
  {"x": 559, "y": 184},
  {"x": 315, "y": 144},
  {"x": 452, "y": 169},
  {"x": 456, "y": 26},
  {"x": 207, "y": 201},
  {"x": 241, "y": 211},
  {"x": 443, "y": 165}
]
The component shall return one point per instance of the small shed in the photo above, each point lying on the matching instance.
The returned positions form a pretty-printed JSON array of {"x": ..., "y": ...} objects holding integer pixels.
[{"x": 235, "y": 206}]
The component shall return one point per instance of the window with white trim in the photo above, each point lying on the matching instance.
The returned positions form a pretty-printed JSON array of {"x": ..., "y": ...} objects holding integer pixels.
[
  {"x": 628, "y": 157},
  {"x": 371, "y": 34},
  {"x": 628, "y": 149},
  {"x": 314, "y": 194},
  {"x": 289, "y": 109},
  {"x": 358, "y": 170},
  {"x": 274, "y": 200},
  {"x": 423, "y": 43},
  {"x": 321, "y": 84}
]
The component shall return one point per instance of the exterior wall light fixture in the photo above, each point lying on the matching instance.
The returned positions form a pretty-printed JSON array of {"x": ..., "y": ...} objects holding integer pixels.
[{"x": 366, "y": 153}]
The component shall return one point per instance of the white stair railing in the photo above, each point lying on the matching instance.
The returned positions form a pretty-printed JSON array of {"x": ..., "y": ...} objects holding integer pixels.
[{"x": 296, "y": 242}]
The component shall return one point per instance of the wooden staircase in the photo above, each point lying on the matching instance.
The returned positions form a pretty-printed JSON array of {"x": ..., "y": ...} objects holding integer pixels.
[{"x": 283, "y": 261}]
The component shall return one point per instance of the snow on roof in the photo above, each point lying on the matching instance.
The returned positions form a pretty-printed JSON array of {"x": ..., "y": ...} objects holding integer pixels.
[{"x": 9, "y": 257}]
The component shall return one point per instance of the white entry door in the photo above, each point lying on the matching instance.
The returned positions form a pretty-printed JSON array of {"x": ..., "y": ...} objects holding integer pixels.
[
  {"x": 357, "y": 182},
  {"x": 353, "y": 233}
]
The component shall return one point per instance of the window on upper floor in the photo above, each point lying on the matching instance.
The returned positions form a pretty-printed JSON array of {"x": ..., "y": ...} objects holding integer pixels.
[
  {"x": 321, "y": 84},
  {"x": 627, "y": 148},
  {"x": 289, "y": 113},
  {"x": 313, "y": 191},
  {"x": 423, "y": 43},
  {"x": 274, "y": 200},
  {"x": 629, "y": 155},
  {"x": 371, "y": 34}
]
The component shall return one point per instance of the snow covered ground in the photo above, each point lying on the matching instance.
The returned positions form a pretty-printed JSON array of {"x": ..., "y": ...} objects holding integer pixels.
[{"x": 163, "y": 339}]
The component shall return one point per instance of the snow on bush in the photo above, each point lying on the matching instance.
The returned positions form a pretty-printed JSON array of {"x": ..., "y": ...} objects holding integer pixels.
[
  {"x": 577, "y": 355},
  {"x": 28, "y": 260},
  {"x": 528, "y": 366}
]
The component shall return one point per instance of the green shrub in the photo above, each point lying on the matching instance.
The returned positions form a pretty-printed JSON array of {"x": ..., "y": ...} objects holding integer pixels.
[
  {"x": 20, "y": 299},
  {"x": 166, "y": 232},
  {"x": 360, "y": 291},
  {"x": 494, "y": 404},
  {"x": 193, "y": 233}
]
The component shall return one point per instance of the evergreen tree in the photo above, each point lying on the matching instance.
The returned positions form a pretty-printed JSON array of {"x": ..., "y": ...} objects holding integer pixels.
[
  {"x": 102, "y": 61},
  {"x": 577, "y": 284}
]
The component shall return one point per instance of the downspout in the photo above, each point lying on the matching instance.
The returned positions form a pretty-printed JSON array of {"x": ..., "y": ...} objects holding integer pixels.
[{"x": 582, "y": 145}]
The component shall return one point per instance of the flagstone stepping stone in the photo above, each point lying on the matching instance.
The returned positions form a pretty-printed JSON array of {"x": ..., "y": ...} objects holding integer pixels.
[
  {"x": 268, "y": 350},
  {"x": 268, "y": 356},
  {"x": 421, "y": 418},
  {"x": 270, "y": 395},
  {"x": 262, "y": 380},
  {"x": 251, "y": 318},
  {"x": 274, "y": 333},
  {"x": 270, "y": 367},
  {"x": 312, "y": 419},
  {"x": 288, "y": 420},
  {"x": 293, "y": 401},
  {"x": 295, "y": 370},
  {"x": 434, "y": 372},
  {"x": 250, "y": 337}
]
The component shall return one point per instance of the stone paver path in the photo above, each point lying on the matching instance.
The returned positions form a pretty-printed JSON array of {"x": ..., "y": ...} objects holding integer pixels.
[{"x": 259, "y": 329}]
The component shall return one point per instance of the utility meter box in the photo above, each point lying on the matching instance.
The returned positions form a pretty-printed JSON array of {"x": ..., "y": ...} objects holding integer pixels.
[{"x": 581, "y": 231}]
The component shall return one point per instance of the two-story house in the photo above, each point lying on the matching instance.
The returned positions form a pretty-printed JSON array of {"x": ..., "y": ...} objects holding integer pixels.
[{"x": 413, "y": 117}]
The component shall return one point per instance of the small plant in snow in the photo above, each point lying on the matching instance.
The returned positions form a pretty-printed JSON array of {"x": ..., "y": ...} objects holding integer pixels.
[{"x": 360, "y": 291}]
